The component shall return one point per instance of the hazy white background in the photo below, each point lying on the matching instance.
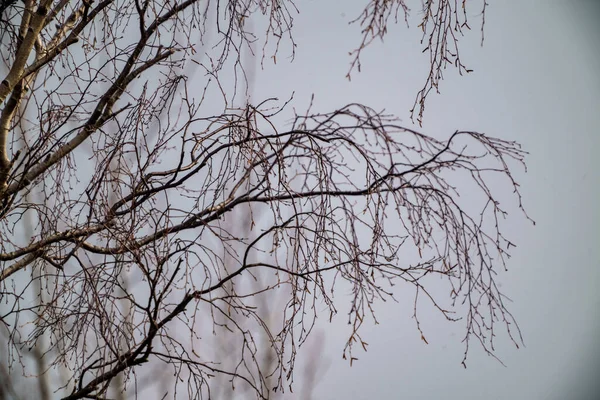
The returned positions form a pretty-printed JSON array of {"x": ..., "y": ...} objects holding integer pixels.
[{"x": 534, "y": 81}]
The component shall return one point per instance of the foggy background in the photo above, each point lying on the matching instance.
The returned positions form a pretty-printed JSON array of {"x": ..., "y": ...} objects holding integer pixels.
[{"x": 535, "y": 81}]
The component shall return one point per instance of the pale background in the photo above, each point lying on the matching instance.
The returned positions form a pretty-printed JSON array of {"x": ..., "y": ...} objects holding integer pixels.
[{"x": 534, "y": 81}]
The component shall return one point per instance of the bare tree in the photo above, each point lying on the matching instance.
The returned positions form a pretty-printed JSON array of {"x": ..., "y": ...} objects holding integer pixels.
[{"x": 164, "y": 216}]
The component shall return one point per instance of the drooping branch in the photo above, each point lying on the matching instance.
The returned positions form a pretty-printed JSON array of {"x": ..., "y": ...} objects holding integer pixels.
[{"x": 139, "y": 184}]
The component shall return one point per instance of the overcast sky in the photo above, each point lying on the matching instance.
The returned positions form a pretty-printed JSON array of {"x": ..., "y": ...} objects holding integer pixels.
[{"x": 534, "y": 81}]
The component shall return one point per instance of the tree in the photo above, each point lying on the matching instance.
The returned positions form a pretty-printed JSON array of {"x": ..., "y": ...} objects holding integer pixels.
[{"x": 141, "y": 216}]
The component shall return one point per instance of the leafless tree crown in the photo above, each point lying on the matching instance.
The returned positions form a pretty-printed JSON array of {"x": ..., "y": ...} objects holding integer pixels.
[{"x": 144, "y": 214}]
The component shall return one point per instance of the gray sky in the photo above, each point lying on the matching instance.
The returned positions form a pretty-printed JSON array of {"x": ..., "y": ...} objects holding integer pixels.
[{"x": 535, "y": 82}]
